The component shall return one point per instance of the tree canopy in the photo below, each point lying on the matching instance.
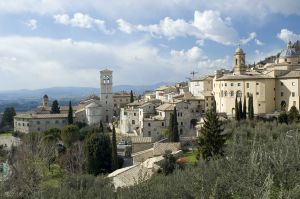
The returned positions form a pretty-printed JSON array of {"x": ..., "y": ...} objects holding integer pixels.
[{"x": 55, "y": 109}]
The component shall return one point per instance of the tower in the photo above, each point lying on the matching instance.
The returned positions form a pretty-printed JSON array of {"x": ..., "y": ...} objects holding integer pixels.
[
  {"x": 239, "y": 61},
  {"x": 106, "y": 94},
  {"x": 45, "y": 101}
]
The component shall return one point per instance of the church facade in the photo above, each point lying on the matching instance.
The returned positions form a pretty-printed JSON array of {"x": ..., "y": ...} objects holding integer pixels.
[{"x": 275, "y": 86}]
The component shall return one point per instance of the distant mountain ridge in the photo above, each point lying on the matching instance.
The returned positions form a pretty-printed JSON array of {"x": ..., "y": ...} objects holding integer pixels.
[{"x": 70, "y": 92}]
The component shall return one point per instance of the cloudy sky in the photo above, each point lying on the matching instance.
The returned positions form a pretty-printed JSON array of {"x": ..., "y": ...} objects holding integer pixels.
[{"x": 46, "y": 43}]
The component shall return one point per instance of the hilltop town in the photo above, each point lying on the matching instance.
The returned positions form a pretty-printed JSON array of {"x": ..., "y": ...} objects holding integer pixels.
[{"x": 142, "y": 126}]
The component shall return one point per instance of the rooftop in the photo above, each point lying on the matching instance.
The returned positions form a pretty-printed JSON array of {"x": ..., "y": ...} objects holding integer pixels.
[{"x": 40, "y": 116}]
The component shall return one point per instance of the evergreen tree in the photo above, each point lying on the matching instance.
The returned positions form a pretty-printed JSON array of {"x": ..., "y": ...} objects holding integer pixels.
[
  {"x": 131, "y": 97},
  {"x": 283, "y": 117},
  {"x": 8, "y": 117},
  {"x": 244, "y": 109},
  {"x": 170, "y": 128},
  {"x": 237, "y": 112},
  {"x": 211, "y": 140},
  {"x": 115, "y": 164},
  {"x": 293, "y": 114},
  {"x": 55, "y": 107},
  {"x": 173, "y": 127},
  {"x": 214, "y": 106},
  {"x": 98, "y": 153},
  {"x": 70, "y": 134},
  {"x": 101, "y": 128},
  {"x": 250, "y": 107},
  {"x": 70, "y": 114},
  {"x": 241, "y": 110},
  {"x": 169, "y": 163}
]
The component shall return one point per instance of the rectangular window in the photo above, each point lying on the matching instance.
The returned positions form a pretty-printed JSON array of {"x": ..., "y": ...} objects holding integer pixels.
[
  {"x": 257, "y": 83},
  {"x": 225, "y": 84},
  {"x": 133, "y": 122},
  {"x": 134, "y": 114},
  {"x": 38, "y": 122},
  {"x": 247, "y": 85},
  {"x": 162, "y": 124},
  {"x": 281, "y": 94},
  {"x": 232, "y": 84},
  {"x": 281, "y": 83},
  {"x": 257, "y": 93},
  {"x": 149, "y": 124},
  {"x": 239, "y": 84},
  {"x": 293, "y": 94}
]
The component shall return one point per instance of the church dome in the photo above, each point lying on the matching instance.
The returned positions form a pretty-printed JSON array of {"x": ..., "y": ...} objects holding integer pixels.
[
  {"x": 45, "y": 96},
  {"x": 239, "y": 50}
]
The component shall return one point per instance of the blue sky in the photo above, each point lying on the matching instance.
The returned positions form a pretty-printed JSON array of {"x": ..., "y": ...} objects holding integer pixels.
[{"x": 46, "y": 43}]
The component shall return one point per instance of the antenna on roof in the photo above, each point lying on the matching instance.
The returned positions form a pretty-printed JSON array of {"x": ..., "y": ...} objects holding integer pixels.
[{"x": 193, "y": 73}]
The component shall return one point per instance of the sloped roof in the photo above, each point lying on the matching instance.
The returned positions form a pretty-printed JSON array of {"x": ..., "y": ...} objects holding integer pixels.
[
  {"x": 166, "y": 107},
  {"x": 291, "y": 74},
  {"x": 244, "y": 76},
  {"x": 40, "y": 116}
]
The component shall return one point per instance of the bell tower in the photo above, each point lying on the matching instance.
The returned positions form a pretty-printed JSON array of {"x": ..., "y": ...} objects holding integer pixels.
[
  {"x": 239, "y": 61},
  {"x": 106, "y": 94},
  {"x": 45, "y": 101}
]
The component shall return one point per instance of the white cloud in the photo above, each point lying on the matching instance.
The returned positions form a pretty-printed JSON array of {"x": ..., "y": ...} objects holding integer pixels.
[
  {"x": 125, "y": 26},
  {"x": 206, "y": 25},
  {"x": 251, "y": 37},
  {"x": 82, "y": 21},
  {"x": 32, "y": 24},
  {"x": 193, "y": 54},
  {"x": 287, "y": 35},
  {"x": 54, "y": 62},
  {"x": 214, "y": 27}
]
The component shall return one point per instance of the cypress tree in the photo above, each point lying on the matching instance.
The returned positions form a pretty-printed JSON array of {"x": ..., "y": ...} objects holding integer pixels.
[
  {"x": 55, "y": 107},
  {"x": 211, "y": 140},
  {"x": 241, "y": 109},
  {"x": 250, "y": 107},
  {"x": 244, "y": 109},
  {"x": 170, "y": 128},
  {"x": 101, "y": 128},
  {"x": 175, "y": 126},
  {"x": 237, "y": 112},
  {"x": 70, "y": 114},
  {"x": 214, "y": 106},
  {"x": 131, "y": 97},
  {"x": 98, "y": 153},
  {"x": 293, "y": 114},
  {"x": 114, "y": 163}
]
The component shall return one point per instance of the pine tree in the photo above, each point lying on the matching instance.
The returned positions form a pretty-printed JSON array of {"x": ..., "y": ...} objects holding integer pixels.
[
  {"x": 244, "y": 109},
  {"x": 211, "y": 140},
  {"x": 241, "y": 109},
  {"x": 70, "y": 114},
  {"x": 237, "y": 112},
  {"x": 114, "y": 163},
  {"x": 131, "y": 97},
  {"x": 283, "y": 117},
  {"x": 55, "y": 107},
  {"x": 8, "y": 117}
]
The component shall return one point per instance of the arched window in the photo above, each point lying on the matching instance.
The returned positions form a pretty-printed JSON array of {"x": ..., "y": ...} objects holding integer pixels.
[
  {"x": 225, "y": 93},
  {"x": 232, "y": 93},
  {"x": 239, "y": 93}
]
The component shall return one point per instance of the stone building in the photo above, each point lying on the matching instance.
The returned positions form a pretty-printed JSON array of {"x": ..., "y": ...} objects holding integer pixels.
[{"x": 274, "y": 87}]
